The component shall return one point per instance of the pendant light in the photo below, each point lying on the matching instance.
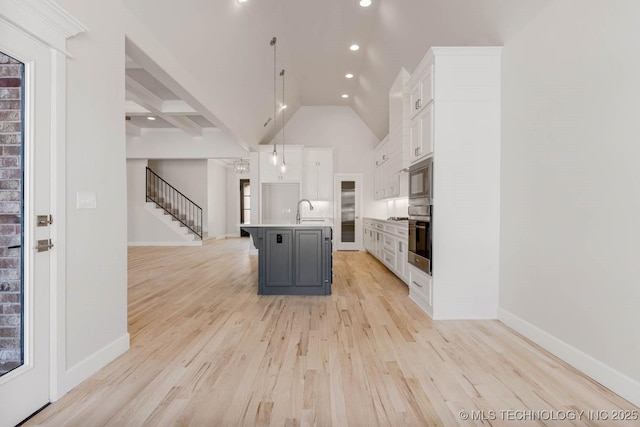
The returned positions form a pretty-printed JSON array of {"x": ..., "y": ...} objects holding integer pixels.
[
  {"x": 284, "y": 164},
  {"x": 274, "y": 155},
  {"x": 241, "y": 166}
]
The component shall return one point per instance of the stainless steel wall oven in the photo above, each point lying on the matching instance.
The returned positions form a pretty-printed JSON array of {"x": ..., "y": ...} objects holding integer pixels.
[
  {"x": 421, "y": 216},
  {"x": 420, "y": 247}
]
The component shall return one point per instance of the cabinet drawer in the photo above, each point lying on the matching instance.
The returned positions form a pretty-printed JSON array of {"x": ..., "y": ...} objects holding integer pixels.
[
  {"x": 389, "y": 228},
  {"x": 389, "y": 258},
  {"x": 389, "y": 244},
  {"x": 421, "y": 284}
]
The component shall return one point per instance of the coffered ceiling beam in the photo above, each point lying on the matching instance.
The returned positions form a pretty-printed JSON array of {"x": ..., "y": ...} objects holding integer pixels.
[
  {"x": 178, "y": 107},
  {"x": 142, "y": 96},
  {"x": 185, "y": 124},
  {"x": 147, "y": 99}
]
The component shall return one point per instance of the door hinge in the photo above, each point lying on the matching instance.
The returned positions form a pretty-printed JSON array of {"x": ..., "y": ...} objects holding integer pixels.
[
  {"x": 44, "y": 220},
  {"x": 44, "y": 245}
]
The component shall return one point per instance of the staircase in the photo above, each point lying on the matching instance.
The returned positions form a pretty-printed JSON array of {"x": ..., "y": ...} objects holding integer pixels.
[{"x": 165, "y": 199}]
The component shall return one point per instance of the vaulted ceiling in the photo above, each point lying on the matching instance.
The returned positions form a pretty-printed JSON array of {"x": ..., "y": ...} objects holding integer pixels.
[{"x": 225, "y": 44}]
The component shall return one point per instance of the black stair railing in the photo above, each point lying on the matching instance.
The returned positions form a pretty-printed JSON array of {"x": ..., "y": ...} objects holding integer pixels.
[{"x": 173, "y": 202}]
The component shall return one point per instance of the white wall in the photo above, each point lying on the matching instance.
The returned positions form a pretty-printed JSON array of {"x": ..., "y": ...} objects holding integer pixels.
[
  {"x": 95, "y": 304},
  {"x": 175, "y": 144},
  {"x": 571, "y": 187},
  {"x": 190, "y": 177},
  {"x": 217, "y": 198},
  {"x": 353, "y": 141}
]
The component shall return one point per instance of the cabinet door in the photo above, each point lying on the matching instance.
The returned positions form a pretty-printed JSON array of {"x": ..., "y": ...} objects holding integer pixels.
[
  {"x": 308, "y": 259},
  {"x": 317, "y": 174},
  {"x": 421, "y": 134},
  {"x": 324, "y": 158},
  {"x": 415, "y": 96},
  {"x": 426, "y": 134},
  {"x": 401, "y": 260},
  {"x": 310, "y": 183},
  {"x": 279, "y": 257},
  {"x": 273, "y": 173},
  {"x": 365, "y": 238},
  {"x": 293, "y": 159},
  {"x": 377, "y": 184},
  {"x": 324, "y": 165},
  {"x": 421, "y": 94},
  {"x": 426, "y": 87},
  {"x": 293, "y": 173},
  {"x": 415, "y": 132},
  {"x": 324, "y": 183}
]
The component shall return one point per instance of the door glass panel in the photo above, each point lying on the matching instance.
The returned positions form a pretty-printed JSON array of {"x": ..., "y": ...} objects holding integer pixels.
[
  {"x": 245, "y": 204},
  {"x": 348, "y": 214},
  {"x": 11, "y": 205}
]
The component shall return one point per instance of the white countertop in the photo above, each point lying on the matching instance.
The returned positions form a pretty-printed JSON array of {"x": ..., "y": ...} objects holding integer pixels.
[
  {"x": 389, "y": 221},
  {"x": 304, "y": 224}
]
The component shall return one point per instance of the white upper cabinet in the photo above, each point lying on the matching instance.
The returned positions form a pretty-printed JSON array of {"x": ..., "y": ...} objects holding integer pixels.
[
  {"x": 445, "y": 79},
  {"x": 389, "y": 155},
  {"x": 420, "y": 95},
  {"x": 317, "y": 182},
  {"x": 387, "y": 176},
  {"x": 273, "y": 173},
  {"x": 421, "y": 89},
  {"x": 421, "y": 134}
]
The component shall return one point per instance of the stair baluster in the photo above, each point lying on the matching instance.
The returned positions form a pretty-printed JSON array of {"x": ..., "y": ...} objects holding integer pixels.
[{"x": 174, "y": 203}]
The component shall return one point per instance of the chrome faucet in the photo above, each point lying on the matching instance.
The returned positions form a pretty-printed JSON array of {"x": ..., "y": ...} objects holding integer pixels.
[{"x": 298, "y": 212}]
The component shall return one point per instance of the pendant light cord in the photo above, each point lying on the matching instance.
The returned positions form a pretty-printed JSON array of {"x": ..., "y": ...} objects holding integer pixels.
[
  {"x": 283, "y": 111},
  {"x": 273, "y": 43}
]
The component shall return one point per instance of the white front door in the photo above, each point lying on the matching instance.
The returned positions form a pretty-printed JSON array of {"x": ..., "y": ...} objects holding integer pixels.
[
  {"x": 25, "y": 139},
  {"x": 347, "y": 224}
]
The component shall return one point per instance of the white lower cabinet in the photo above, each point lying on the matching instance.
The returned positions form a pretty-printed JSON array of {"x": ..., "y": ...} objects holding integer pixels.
[
  {"x": 388, "y": 242},
  {"x": 421, "y": 289},
  {"x": 402, "y": 264}
]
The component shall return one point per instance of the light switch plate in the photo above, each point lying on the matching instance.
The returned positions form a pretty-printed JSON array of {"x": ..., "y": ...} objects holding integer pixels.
[{"x": 86, "y": 200}]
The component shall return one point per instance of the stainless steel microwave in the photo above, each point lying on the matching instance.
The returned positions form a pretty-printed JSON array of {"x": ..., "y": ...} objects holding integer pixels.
[{"x": 420, "y": 180}]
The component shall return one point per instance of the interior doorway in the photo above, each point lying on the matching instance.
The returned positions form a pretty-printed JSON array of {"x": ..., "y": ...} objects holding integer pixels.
[{"x": 245, "y": 204}]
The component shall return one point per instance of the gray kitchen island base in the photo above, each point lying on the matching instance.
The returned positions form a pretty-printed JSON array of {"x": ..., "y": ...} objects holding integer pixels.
[{"x": 293, "y": 259}]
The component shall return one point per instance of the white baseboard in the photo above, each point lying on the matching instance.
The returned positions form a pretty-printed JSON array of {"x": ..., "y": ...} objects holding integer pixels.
[
  {"x": 180, "y": 243},
  {"x": 616, "y": 381},
  {"x": 92, "y": 364}
]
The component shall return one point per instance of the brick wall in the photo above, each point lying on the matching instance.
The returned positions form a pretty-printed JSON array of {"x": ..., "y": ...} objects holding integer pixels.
[{"x": 11, "y": 72}]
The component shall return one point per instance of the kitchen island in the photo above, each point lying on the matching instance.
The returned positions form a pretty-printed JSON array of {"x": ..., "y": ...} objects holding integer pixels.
[{"x": 293, "y": 259}]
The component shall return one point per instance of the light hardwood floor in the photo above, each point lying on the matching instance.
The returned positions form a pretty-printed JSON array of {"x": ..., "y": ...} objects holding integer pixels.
[{"x": 206, "y": 350}]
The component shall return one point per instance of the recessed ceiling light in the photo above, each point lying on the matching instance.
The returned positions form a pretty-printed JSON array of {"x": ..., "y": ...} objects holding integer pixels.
[
  {"x": 365, "y": 3},
  {"x": 354, "y": 47},
  {"x": 344, "y": 95},
  {"x": 349, "y": 76},
  {"x": 244, "y": 1},
  {"x": 151, "y": 118},
  {"x": 284, "y": 107}
]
